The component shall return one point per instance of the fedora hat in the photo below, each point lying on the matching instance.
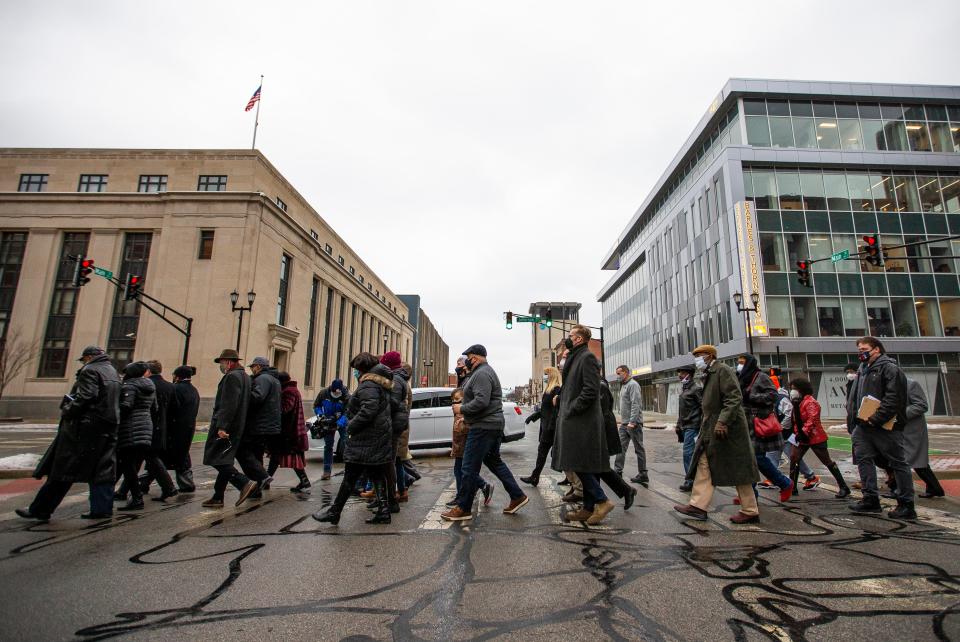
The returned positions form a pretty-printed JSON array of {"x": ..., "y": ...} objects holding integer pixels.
[{"x": 227, "y": 354}]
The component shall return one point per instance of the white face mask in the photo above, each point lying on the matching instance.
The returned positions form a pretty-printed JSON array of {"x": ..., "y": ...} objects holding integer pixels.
[
  {"x": 700, "y": 363},
  {"x": 794, "y": 394},
  {"x": 336, "y": 395},
  {"x": 851, "y": 376},
  {"x": 739, "y": 367}
]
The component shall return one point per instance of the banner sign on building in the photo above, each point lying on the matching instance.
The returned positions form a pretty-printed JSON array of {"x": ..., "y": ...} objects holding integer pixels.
[{"x": 751, "y": 270}]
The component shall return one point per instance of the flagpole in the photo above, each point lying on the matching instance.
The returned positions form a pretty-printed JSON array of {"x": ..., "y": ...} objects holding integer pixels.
[{"x": 256, "y": 119}]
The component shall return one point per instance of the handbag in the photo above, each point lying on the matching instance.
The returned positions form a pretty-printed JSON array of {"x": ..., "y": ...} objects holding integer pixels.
[{"x": 768, "y": 427}]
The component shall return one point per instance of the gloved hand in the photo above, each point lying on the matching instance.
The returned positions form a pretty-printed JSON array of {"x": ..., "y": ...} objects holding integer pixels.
[
  {"x": 342, "y": 421},
  {"x": 528, "y": 419}
]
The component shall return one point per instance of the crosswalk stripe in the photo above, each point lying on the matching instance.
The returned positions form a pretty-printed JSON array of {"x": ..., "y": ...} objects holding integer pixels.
[{"x": 433, "y": 521}]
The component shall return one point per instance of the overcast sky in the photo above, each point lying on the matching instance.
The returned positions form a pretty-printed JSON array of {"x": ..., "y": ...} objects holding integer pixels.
[{"x": 483, "y": 155}]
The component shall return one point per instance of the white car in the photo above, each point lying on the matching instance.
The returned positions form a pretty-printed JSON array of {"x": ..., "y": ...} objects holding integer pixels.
[{"x": 431, "y": 420}]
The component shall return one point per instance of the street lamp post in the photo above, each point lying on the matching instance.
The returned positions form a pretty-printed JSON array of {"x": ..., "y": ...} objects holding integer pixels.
[
  {"x": 386, "y": 337},
  {"x": 738, "y": 300},
  {"x": 234, "y": 297}
]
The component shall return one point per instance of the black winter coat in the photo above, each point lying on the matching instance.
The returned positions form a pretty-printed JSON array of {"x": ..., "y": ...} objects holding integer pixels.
[
  {"x": 399, "y": 413},
  {"x": 883, "y": 380},
  {"x": 138, "y": 406},
  {"x": 166, "y": 405},
  {"x": 690, "y": 410},
  {"x": 84, "y": 449},
  {"x": 547, "y": 416},
  {"x": 230, "y": 416},
  {"x": 610, "y": 427},
  {"x": 759, "y": 402},
  {"x": 369, "y": 434},
  {"x": 580, "y": 444},
  {"x": 182, "y": 422},
  {"x": 263, "y": 415}
]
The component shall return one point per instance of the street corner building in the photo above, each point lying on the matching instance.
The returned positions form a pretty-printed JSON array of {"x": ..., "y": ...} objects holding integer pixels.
[
  {"x": 779, "y": 172},
  {"x": 209, "y": 232}
]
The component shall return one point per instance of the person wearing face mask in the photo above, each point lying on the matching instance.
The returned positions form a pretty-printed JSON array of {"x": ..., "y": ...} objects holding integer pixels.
[
  {"x": 581, "y": 445},
  {"x": 330, "y": 407},
  {"x": 882, "y": 379},
  {"x": 226, "y": 429},
  {"x": 263, "y": 422},
  {"x": 631, "y": 426},
  {"x": 462, "y": 371},
  {"x": 723, "y": 455},
  {"x": 547, "y": 416},
  {"x": 810, "y": 434},
  {"x": 689, "y": 416},
  {"x": 915, "y": 440},
  {"x": 759, "y": 402}
]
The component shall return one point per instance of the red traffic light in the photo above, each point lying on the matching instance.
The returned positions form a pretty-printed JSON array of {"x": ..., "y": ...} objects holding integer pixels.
[
  {"x": 802, "y": 265},
  {"x": 132, "y": 287},
  {"x": 870, "y": 240},
  {"x": 86, "y": 263}
]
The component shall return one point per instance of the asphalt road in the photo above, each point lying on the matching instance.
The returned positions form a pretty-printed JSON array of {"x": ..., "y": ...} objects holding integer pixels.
[{"x": 265, "y": 570}]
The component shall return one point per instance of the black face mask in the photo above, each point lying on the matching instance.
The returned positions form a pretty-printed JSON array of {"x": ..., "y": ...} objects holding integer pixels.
[{"x": 568, "y": 343}]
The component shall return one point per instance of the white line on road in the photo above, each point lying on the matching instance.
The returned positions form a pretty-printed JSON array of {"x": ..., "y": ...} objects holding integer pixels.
[{"x": 433, "y": 521}]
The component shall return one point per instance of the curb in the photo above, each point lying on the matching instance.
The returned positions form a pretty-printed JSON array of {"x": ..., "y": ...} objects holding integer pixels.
[{"x": 16, "y": 473}]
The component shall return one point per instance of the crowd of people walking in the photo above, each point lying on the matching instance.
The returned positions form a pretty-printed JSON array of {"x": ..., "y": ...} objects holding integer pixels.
[{"x": 735, "y": 425}]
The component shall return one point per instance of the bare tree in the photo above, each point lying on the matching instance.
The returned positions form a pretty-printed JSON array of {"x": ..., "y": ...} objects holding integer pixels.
[{"x": 15, "y": 354}]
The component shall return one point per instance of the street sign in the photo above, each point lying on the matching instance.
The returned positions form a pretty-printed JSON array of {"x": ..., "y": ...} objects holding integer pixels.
[
  {"x": 107, "y": 274},
  {"x": 836, "y": 257}
]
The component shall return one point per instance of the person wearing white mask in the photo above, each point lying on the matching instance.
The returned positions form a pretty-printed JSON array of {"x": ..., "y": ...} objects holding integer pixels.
[
  {"x": 724, "y": 455},
  {"x": 689, "y": 416},
  {"x": 810, "y": 434}
]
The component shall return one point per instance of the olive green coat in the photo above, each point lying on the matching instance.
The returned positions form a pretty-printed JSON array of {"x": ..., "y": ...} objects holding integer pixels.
[{"x": 731, "y": 460}]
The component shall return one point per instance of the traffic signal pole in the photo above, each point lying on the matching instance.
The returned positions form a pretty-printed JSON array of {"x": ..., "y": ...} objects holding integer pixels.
[{"x": 162, "y": 313}]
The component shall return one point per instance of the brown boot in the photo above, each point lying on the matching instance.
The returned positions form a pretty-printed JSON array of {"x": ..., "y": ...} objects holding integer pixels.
[
  {"x": 600, "y": 511},
  {"x": 743, "y": 518},
  {"x": 403, "y": 497},
  {"x": 456, "y": 514},
  {"x": 691, "y": 511},
  {"x": 572, "y": 497},
  {"x": 581, "y": 515}
]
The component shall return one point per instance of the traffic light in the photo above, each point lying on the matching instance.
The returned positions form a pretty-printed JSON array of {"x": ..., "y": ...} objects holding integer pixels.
[
  {"x": 548, "y": 322},
  {"x": 132, "y": 287},
  {"x": 509, "y": 320},
  {"x": 803, "y": 273},
  {"x": 873, "y": 253},
  {"x": 81, "y": 273}
]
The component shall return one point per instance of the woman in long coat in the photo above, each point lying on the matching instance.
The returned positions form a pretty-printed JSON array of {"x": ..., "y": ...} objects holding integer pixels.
[
  {"x": 547, "y": 414},
  {"x": 369, "y": 447},
  {"x": 916, "y": 442},
  {"x": 288, "y": 448},
  {"x": 138, "y": 403}
]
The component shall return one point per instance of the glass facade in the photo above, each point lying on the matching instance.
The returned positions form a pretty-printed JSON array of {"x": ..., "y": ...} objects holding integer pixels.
[
  {"x": 126, "y": 314},
  {"x": 12, "y": 247},
  {"x": 852, "y": 125},
  {"x": 810, "y": 213},
  {"x": 63, "y": 307}
]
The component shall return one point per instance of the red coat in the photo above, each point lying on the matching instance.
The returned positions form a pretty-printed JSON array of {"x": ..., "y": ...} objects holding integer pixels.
[
  {"x": 809, "y": 430},
  {"x": 293, "y": 430}
]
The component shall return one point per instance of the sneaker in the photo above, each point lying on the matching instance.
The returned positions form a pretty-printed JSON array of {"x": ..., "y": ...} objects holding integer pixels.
[
  {"x": 487, "y": 494},
  {"x": 456, "y": 514},
  {"x": 213, "y": 502},
  {"x": 629, "y": 498},
  {"x": 691, "y": 511},
  {"x": 600, "y": 512},
  {"x": 516, "y": 505},
  {"x": 743, "y": 518},
  {"x": 26, "y": 514},
  {"x": 581, "y": 515},
  {"x": 786, "y": 493},
  {"x": 246, "y": 492},
  {"x": 904, "y": 510},
  {"x": 867, "y": 506},
  {"x": 572, "y": 497},
  {"x": 766, "y": 485},
  {"x": 811, "y": 483}
]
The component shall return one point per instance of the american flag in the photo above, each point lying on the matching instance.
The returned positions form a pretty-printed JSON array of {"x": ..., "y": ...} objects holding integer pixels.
[{"x": 253, "y": 99}]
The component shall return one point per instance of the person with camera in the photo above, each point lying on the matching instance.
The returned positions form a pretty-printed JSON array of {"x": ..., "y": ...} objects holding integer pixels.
[{"x": 330, "y": 406}]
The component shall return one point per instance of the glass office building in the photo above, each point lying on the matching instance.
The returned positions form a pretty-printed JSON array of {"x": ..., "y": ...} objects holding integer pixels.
[{"x": 780, "y": 171}]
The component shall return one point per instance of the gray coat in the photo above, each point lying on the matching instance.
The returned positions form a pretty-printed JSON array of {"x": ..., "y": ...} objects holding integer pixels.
[
  {"x": 230, "y": 416},
  {"x": 482, "y": 406},
  {"x": 138, "y": 403},
  {"x": 580, "y": 444},
  {"x": 915, "y": 443},
  {"x": 263, "y": 413},
  {"x": 631, "y": 410}
]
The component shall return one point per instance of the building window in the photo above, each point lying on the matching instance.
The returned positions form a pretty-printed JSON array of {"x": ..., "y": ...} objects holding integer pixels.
[
  {"x": 285, "y": 263},
  {"x": 126, "y": 314},
  {"x": 326, "y": 338},
  {"x": 212, "y": 184},
  {"x": 281, "y": 204},
  {"x": 340, "y": 366},
  {"x": 360, "y": 278},
  {"x": 352, "y": 271},
  {"x": 340, "y": 260},
  {"x": 311, "y": 332},
  {"x": 152, "y": 183},
  {"x": 314, "y": 235},
  {"x": 328, "y": 249},
  {"x": 12, "y": 246},
  {"x": 206, "y": 244},
  {"x": 369, "y": 287},
  {"x": 63, "y": 308},
  {"x": 33, "y": 182},
  {"x": 92, "y": 183}
]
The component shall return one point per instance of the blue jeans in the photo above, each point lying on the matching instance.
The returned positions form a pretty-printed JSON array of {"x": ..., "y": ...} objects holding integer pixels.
[
  {"x": 328, "y": 448},
  {"x": 592, "y": 491},
  {"x": 805, "y": 470},
  {"x": 689, "y": 443},
  {"x": 458, "y": 475},
  {"x": 771, "y": 472},
  {"x": 483, "y": 447}
]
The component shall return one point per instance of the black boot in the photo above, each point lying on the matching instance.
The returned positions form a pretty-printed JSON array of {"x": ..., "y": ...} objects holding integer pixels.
[
  {"x": 533, "y": 480},
  {"x": 382, "y": 515},
  {"x": 934, "y": 489},
  {"x": 304, "y": 484},
  {"x": 904, "y": 510},
  {"x": 867, "y": 505},
  {"x": 331, "y": 514},
  {"x": 844, "y": 490}
]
